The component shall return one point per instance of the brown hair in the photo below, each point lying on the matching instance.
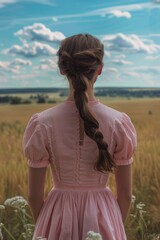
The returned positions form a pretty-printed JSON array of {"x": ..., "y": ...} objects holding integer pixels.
[{"x": 79, "y": 56}]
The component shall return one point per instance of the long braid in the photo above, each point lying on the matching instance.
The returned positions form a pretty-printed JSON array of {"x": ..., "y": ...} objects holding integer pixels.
[
  {"x": 79, "y": 57},
  {"x": 91, "y": 125}
]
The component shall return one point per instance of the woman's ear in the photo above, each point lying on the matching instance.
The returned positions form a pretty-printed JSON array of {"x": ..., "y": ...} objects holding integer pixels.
[
  {"x": 99, "y": 70},
  {"x": 61, "y": 72}
]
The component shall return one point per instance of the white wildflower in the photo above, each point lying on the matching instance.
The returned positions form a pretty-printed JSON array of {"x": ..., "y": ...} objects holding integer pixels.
[
  {"x": 16, "y": 202},
  {"x": 24, "y": 235},
  {"x": 93, "y": 236},
  {"x": 142, "y": 212},
  {"x": 15, "y": 211},
  {"x": 140, "y": 206},
  {"x": 2, "y": 207},
  {"x": 29, "y": 226},
  {"x": 133, "y": 199},
  {"x": 29, "y": 229}
]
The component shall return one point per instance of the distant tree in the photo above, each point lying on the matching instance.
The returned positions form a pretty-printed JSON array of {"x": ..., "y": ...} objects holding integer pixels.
[
  {"x": 15, "y": 100},
  {"x": 26, "y": 101},
  {"x": 41, "y": 99},
  {"x": 33, "y": 96},
  {"x": 63, "y": 93},
  {"x": 4, "y": 99}
]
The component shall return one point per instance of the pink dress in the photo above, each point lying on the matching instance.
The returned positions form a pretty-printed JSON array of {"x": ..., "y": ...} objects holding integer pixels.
[{"x": 80, "y": 200}]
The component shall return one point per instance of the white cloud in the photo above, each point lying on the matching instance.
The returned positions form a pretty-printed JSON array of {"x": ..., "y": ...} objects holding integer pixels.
[
  {"x": 156, "y": 1},
  {"x": 131, "y": 43},
  {"x": 119, "y": 14},
  {"x": 47, "y": 61},
  {"x": 147, "y": 70},
  {"x": 107, "y": 10},
  {"x": 153, "y": 57},
  {"x": 44, "y": 2},
  {"x": 48, "y": 64},
  {"x": 154, "y": 35},
  {"x": 107, "y": 53},
  {"x": 110, "y": 70},
  {"x": 123, "y": 8},
  {"x": 97, "y": 12},
  {"x": 20, "y": 62},
  {"x": 141, "y": 79},
  {"x": 3, "y": 80},
  {"x": 33, "y": 49},
  {"x": 55, "y": 19},
  {"x": 151, "y": 70},
  {"x": 5, "y": 66},
  {"x": 3, "y": 3},
  {"x": 39, "y": 32},
  {"x": 120, "y": 56},
  {"x": 132, "y": 74},
  {"x": 14, "y": 66},
  {"x": 26, "y": 75},
  {"x": 121, "y": 62}
]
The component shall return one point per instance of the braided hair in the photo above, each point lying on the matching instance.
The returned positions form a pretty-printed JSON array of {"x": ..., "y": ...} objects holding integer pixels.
[{"x": 79, "y": 56}]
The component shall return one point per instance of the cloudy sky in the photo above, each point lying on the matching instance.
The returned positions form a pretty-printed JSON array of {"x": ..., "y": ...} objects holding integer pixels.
[{"x": 31, "y": 30}]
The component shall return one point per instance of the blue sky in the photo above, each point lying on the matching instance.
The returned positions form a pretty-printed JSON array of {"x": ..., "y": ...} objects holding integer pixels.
[{"x": 31, "y": 30}]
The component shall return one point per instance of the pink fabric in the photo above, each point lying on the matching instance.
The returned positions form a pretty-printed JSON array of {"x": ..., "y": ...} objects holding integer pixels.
[{"x": 80, "y": 200}]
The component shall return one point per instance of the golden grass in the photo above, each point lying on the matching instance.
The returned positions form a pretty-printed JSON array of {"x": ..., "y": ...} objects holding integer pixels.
[{"x": 145, "y": 114}]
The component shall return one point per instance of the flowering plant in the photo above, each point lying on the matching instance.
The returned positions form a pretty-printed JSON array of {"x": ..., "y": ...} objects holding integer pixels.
[
  {"x": 18, "y": 222},
  {"x": 90, "y": 236},
  {"x": 93, "y": 236}
]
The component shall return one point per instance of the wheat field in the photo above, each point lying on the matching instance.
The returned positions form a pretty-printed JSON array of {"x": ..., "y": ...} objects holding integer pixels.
[{"x": 145, "y": 114}]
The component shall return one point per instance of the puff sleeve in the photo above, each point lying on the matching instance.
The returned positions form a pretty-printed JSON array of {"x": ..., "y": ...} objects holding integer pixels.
[
  {"x": 35, "y": 143},
  {"x": 125, "y": 141}
]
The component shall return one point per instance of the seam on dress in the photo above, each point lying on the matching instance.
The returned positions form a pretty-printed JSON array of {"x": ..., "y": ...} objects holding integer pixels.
[
  {"x": 77, "y": 148},
  {"x": 53, "y": 155}
]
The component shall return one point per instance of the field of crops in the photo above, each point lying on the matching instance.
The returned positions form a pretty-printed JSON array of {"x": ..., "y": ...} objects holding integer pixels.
[{"x": 144, "y": 222}]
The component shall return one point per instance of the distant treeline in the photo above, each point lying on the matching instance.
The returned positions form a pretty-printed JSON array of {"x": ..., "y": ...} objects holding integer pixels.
[
  {"x": 39, "y": 98},
  {"x": 42, "y": 97},
  {"x": 121, "y": 92},
  {"x": 29, "y": 90},
  {"x": 128, "y": 92}
]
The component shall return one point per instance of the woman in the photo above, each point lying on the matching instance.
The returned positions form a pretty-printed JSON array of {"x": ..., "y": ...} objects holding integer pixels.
[{"x": 83, "y": 140}]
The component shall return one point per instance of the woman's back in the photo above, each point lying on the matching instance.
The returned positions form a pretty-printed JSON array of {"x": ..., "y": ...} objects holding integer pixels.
[{"x": 71, "y": 158}]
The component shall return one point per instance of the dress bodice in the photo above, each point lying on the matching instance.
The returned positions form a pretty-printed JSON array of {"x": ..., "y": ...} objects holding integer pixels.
[{"x": 56, "y": 136}]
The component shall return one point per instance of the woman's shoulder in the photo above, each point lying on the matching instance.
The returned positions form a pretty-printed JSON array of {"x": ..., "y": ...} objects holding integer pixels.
[
  {"x": 55, "y": 114},
  {"x": 108, "y": 112},
  {"x": 113, "y": 118},
  {"x": 49, "y": 113}
]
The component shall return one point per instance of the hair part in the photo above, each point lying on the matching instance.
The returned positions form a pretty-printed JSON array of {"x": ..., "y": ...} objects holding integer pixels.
[{"x": 79, "y": 56}]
